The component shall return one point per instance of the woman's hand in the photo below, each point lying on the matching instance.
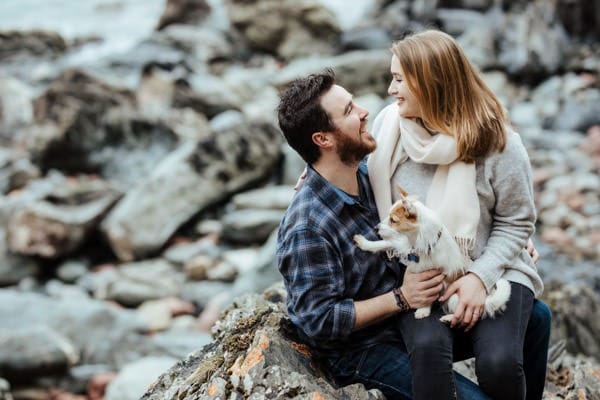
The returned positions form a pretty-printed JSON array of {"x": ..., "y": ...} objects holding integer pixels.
[
  {"x": 471, "y": 292},
  {"x": 422, "y": 288},
  {"x": 535, "y": 256},
  {"x": 301, "y": 179}
]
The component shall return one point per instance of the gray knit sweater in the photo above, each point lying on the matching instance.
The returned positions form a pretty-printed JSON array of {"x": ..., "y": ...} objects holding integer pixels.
[{"x": 507, "y": 218}]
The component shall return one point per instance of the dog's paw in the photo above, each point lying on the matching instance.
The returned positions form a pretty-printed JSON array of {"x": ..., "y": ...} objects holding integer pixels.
[
  {"x": 447, "y": 318},
  {"x": 422, "y": 313},
  {"x": 359, "y": 240}
]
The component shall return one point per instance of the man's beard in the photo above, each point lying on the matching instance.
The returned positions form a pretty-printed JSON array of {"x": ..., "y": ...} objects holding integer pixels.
[{"x": 352, "y": 151}]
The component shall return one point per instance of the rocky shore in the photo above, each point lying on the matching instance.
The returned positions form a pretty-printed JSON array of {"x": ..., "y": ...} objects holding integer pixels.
[{"x": 141, "y": 191}]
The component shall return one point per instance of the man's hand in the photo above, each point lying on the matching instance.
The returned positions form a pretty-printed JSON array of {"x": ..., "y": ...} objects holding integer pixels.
[
  {"x": 422, "y": 288},
  {"x": 471, "y": 293}
]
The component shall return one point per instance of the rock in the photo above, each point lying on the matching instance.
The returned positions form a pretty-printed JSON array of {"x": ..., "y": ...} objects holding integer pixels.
[
  {"x": 532, "y": 44},
  {"x": 86, "y": 125},
  {"x": 5, "y": 390},
  {"x": 207, "y": 94},
  {"x": 180, "y": 343},
  {"x": 581, "y": 18},
  {"x": 192, "y": 178},
  {"x": 250, "y": 225},
  {"x": 71, "y": 270},
  {"x": 200, "y": 293},
  {"x": 184, "y": 252},
  {"x": 35, "y": 351},
  {"x": 354, "y": 70},
  {"x": 269, "y": 197},
  {"x": 137, "y": 282},
  {"x": 254, "y": 355},
  {"x": 16, "y": 44},
  {"x": 16, "y": 170},
  {"x": 364, "y": 39},
  {"x": 183, "y": 12},
  {"x": 286, "y": 28},
  {"x": 576, "y": 317},
  {"x": 98, "y": 384},
  {"x": 14, "y": 267},
  {"x": 134, "y": 378},
  {"x": 60, "y": 223},
  {"x": 16, "y": 109}
]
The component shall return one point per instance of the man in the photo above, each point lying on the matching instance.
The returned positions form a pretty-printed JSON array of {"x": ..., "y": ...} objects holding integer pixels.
[{"x": 343, "y": 300}]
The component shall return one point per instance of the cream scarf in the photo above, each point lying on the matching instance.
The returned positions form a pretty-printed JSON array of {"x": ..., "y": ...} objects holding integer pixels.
[{"x": 452, "y": 193}]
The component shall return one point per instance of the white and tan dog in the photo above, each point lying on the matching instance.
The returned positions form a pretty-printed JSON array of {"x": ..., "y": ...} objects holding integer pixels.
[{"x": 416, "y": 234}]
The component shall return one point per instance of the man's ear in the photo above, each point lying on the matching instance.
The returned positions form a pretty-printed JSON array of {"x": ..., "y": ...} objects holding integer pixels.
[{"x": 322, "y": 139}]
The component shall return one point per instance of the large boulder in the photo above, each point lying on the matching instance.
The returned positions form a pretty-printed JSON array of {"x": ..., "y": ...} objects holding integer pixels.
[
  {"x": 183, "y": 12},
  {"x": 288, "y": 28},
  {"x": 192, "y": 178},
  {"x": 16, "y": 44},
  {"x": 255, "y": 354},
  {"x": 83, "y": 124}
]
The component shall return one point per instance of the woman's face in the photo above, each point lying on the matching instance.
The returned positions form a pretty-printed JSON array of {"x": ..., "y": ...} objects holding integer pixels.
[{"x": 407, "y": 104}]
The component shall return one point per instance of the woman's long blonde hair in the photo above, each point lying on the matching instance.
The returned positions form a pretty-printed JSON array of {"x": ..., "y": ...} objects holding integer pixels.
[{"x": 453, "y": 97}]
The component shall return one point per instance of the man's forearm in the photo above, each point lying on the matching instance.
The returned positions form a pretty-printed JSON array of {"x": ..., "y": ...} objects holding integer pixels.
[{"x": 373, "y": 310}]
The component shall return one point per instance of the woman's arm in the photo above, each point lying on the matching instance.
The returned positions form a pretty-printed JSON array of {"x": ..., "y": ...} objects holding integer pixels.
[
  {"x": 514, "y": 215},
  {"x": 512, "y": 226}
]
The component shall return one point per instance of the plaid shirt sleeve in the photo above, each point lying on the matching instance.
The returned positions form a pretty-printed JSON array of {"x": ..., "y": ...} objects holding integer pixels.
[{"x": 313, "y": 273}]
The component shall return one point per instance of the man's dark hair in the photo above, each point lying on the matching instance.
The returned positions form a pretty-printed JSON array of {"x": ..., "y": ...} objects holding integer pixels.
[{"x": 300, "y": 113}]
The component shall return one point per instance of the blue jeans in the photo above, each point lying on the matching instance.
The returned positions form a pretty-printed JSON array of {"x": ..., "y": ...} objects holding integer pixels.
[{"x": 386, "y": 366}]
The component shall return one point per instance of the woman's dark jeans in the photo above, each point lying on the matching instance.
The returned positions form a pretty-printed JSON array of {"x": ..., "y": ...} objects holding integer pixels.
[{"x": 387, "y": 366}]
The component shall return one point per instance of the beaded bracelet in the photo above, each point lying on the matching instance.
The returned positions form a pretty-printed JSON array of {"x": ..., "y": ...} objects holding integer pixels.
[{"x": 401, "y": 300}]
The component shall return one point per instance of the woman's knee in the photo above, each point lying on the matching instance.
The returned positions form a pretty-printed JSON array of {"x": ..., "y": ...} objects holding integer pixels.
[{"x": 499, "y": 367}]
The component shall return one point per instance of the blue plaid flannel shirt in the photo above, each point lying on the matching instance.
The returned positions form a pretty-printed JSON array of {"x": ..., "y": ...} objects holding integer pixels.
[{"x": 324, "y": 271}]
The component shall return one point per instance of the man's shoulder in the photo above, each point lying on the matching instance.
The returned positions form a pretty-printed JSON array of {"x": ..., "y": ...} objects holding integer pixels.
[{"x": 303, "y": 211}]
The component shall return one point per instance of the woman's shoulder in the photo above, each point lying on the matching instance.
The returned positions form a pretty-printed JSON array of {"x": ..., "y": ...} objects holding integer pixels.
[{"x": 513, "y": 150}]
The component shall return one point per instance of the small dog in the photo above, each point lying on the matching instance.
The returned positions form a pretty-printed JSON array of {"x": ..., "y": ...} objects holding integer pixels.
[{"x": 415, "y": 233}]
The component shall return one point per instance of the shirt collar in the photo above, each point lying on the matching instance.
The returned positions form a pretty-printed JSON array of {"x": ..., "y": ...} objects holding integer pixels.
[{"x": 331, "y": 195}]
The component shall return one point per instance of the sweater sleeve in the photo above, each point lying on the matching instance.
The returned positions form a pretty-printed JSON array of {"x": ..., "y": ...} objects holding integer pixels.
[{"x": 514, "y": 215}]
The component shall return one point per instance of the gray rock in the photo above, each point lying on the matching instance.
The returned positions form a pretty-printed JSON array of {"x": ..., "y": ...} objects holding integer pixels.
[
  {"x": 200, "y": 293},
  {"x": 532, "y": 44},
  {"x": 287, "y": 28},
  {"x": 61, "y": 223},
  {"x": 114, "y": 339},
  {"x": 134, "y": 378},
  {"x": 71, "y": 270},
  {"x": 181, "y": 253},
  {"x": 255, "y": 355},
  {"x": 250, "y": 225},
  {"x": 16, "y": 109},
  {"x": 576, "y": 317},
  {"x": 34, "y": 351},
  {"x": 137, "y": 282},
  {"x": 355, "y": 70},
  {"x": 18, "y": 44},
  {"x": 183, "y": 12},
  {"x": 14, "y": 267},
  {"x": 5, "y": 390},
  {"x": 194, "y": 177},
  {"x": 268, "y": 197}
]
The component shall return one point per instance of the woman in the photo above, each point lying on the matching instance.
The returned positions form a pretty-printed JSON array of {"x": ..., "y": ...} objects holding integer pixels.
[{"x": 447, "y": 140}]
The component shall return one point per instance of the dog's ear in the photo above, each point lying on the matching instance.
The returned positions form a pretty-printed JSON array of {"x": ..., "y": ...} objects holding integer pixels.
[
  {"x": 410, "y": 209},
  {"x": 401, "y": 191}
]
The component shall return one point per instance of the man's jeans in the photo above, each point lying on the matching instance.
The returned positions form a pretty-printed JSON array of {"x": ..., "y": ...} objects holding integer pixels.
[{"x": 386, "y": 366}]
